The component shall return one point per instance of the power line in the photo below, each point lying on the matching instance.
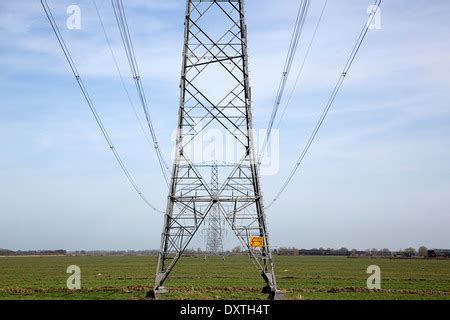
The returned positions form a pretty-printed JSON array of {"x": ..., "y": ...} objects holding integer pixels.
[
  {"x": 299, "y": 23},
  {"x": 91, "y": 104},
  {"x": 122, "y": 24},
  {"x": 303, "y": 63},
  {"x": 334, "y": 93},
  {"x": 120, "y": 74}
]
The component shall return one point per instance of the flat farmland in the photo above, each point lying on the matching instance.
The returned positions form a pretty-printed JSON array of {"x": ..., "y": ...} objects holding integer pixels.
[{"x": 130, "y": 277}]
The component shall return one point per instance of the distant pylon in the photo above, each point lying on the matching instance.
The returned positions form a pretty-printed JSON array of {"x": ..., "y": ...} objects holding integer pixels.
[
  {"x": 214, "y": 231},
  {"x": 215, "y": 95}
]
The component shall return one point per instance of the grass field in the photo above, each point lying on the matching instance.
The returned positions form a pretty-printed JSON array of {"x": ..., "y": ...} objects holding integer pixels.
[{"x": 234, "y": 278}]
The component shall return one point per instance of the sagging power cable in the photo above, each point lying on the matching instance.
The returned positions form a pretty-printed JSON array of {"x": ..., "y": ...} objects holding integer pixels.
[
  {"x": 122, "y": 24},
  {"x": 295, "y": 39},
  {"x": 332, "y": 98},
  {"x": 300, "y": 72},
  {"x": 91, "y": 105},
  {"x": 116, "y": 64}
]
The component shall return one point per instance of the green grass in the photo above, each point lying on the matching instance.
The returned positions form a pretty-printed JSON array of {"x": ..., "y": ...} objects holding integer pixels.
[{"x": 234, "y": 278}]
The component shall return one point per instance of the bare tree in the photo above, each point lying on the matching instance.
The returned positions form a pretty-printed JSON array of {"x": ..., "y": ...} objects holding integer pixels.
[
  {"x": 236, "y": 249},
  {"x": 422, "y": 251},
  {"x": 410, "y": 252}
]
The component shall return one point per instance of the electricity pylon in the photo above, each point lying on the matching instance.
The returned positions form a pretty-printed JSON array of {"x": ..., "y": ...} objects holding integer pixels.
[
  {"x": 214, "y": 232},
  {"x": 215, "y": 95}
]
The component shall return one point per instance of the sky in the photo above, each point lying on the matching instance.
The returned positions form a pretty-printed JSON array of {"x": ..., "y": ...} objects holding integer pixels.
[{"x": 377, "y": 176}]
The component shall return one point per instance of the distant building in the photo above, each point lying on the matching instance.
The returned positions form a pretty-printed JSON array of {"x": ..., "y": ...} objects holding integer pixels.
[{"x": 438, "y": 253}]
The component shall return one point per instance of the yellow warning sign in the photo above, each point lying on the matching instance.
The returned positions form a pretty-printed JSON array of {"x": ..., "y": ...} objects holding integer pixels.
[{"x": 256, "y": 242}]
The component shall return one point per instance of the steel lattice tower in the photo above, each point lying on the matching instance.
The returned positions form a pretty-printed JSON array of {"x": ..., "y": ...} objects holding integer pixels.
[
  {"x": 215, "y": 95},
  {"x": 214, "y": 235}
]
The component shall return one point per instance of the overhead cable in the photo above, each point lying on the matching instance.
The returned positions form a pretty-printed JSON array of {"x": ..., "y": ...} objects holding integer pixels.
[
  {"x": 122, "y": 24},
  {"x": 295, "y": 39},
  {"x": 91, "y": 105},
  {"x": 300, "y": 72},
  {"x": 332, "y": 98}
]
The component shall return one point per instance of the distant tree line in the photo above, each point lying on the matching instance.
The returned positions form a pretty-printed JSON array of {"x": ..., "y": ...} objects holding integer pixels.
[
  {"x": 6, "y": 252},
  {"x": 421, "y": 252},
  {"x": 402, "y": 253},
  {"x": 292, "y": 251},
  {"x": 114, "y": 253}
]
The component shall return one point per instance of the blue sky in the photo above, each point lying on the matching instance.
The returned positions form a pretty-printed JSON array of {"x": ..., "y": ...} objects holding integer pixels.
[{"x": 378, "y": 174}]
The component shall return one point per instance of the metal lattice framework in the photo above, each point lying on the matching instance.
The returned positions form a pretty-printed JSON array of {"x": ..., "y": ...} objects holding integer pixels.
[
  {"x": 214, "y": 232},
  {"x": 215, "y": 95}
]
